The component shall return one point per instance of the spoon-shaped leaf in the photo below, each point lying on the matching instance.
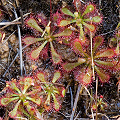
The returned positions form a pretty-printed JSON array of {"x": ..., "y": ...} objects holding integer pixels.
[
  {"x": 106, "y": 63},
  {"x": 81, "y": 37},
  {"x": 5, "y": 101},
  {"x": 14, "y": 87},
  {"x": 65, "y": 22},
  {"x": 31, "y": 40},
  {"x": 89, "y": 26},
  {"x": 56, "y": 103},
  {"x": 88, "y": 9},
  {"x": 96, "y": 19},
  {"x": 102, "y": 75},
  {"x": 107, "y": 53},
  {"x": 37, "y": 101},
  {"x": 32, "y": 23},
  {"x": 78, "y": 47},
  {"x": 27, "y": 83},
  {"x": 87, "y": 76},
  {"x": 41, "y": 77},
  {"x": 66, "y": 32},
  {"x": 67, "y": 12},
  {"x": 56, "y": 76},
  {"x": 55, "y": 57},
  {"x": 71, "y": 66},
  {"x": 47, "y": 102},
  {"x": 97, "y": 42},
  {"x": 14, "y": 111},
  {"x": 35, "y": 53}
]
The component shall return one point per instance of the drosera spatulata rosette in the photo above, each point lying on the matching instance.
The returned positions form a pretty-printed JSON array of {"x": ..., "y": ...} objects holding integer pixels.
[
  {"x": 23, "y": 96},
  {"x": 103, "y": 59},
  {"x": 101, "y": 104},
  {"x": 51, "y": 90},
  {"x": 48, "y": 35},
  {"x": 85, "y": 19}
]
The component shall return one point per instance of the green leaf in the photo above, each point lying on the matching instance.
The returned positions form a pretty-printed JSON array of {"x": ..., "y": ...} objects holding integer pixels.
[
  {"x": 56, "y": 103},
  {"x": 67, "y": 12},
  {"x": 37, "y": 101},
  {"x": 14, "y": 111},
  {"x": 78, "y": 47},
  {"x": 56, "y": 76},
  {"x": 65, "y": 22},
  {"x": 106, "y": 64},
  {"x": 81, "y": 37},
  {"x": 107, "y": 53},
  {"x": 55, "y": 57},
  {"x": 14, "y": 87},
  {"x": 88, "y": 9},
  {"x": 102, "y": 75},
  {"x": 41, "y": 77},
  {"x": 66, "y": 32},
  {"x": 96, "y": 19},
  {"x": 32, "y": 23},
  {"x": 89, "y": 26},
  {"x": 5, "y": 101},
  {"x": 35, "y": 53},
  {"x": 31, "y": 40},
  {"x": 70, "y": 66},
  {"x": 27, "y": 83},
  {"x": 97, "y": 42}
]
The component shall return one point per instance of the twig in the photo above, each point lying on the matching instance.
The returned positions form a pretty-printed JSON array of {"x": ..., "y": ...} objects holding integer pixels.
[
  {"x": 88, "y": 92},
  {"x": 63, "y": 114},
  {"x": 77, "y": 115},
  {"x": 15, "y": 20},
  {"x": 12, "y": 62},
  {"x": 99, "y": 3},
  {"x": 45, "y": 29},
  {"x": 92, "y": 56},
  {"x": 101, "y": 115},
  {"x": 71, "y": 97},
  {"x": 20, "y": 45},
  {"x": 10, "y": 65},
  {"x": 96, "y": 95},
  {"x": 108, "y": 32},
  {"x": 81, "y": 1},
  {"x": 9, "y": 23},
  {"x": 92, "y": 113},
  {"x": 76, "y": 100}
]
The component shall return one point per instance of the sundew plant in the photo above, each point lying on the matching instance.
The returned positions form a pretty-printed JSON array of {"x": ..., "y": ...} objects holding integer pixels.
[{"x": 42, "y": 90}]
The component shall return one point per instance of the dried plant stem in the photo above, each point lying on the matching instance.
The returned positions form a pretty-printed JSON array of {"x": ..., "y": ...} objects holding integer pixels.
[
  {"x": 79, "y": 91},
  {"x": 92, "y": 114},
  {"x": 14, "y": 21},
  {"x": 96, "y": 95},
  {"x": 45, "y": 29},
  {"x": 12, "y": 62},
  {"x": 9, "y": 23},
  {"x": 88, "y": 93},
  {"x": 92, "y": 56},
  {"x": 20, "y": 44},
  {"x": 102, "y": 115}
]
